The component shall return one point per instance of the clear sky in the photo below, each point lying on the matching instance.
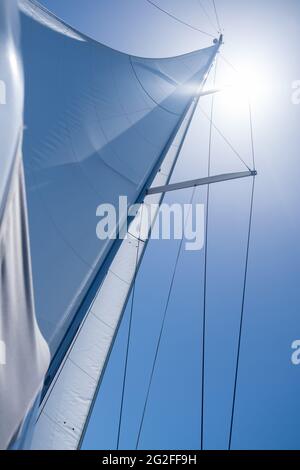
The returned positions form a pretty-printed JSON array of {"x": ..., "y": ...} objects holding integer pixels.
[{"x": 262, "y": 41}]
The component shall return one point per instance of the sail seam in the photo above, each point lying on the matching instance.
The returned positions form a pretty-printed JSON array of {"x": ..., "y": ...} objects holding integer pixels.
[
  {"x": 82, "y": 370},
  {"x": 100, "y": 320}
]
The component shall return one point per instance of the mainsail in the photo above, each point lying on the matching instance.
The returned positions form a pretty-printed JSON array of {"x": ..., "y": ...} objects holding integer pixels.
[
  {"x": 65, "y": 411},
  {"x": 98, "y": 124}
]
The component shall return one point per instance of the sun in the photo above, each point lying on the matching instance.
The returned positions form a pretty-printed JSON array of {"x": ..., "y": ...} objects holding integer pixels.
[{"x": 249, "y": 82}]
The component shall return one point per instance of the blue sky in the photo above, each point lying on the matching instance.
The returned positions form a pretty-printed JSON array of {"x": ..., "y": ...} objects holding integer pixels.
[{"x": 261, "y": 40}]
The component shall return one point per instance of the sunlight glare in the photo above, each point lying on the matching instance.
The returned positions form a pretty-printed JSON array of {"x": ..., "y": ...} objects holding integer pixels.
[{"x": 250, "y": 83}]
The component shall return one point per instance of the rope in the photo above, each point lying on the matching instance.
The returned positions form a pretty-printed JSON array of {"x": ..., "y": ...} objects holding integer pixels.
[
  {"x": 205, "y": 266},
  {"x": 161, "y": 331},
  {"x": 129, "y": 334},
  {"x": 242, "y": 316},
  {"x": 179, "y": 20}
]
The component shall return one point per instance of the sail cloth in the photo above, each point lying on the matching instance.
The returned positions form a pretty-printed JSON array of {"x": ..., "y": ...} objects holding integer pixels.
[
  {"x": 24, "y": 355},
  {"x": 65, "y": 411},
  {"x": 97, "y": 123}
]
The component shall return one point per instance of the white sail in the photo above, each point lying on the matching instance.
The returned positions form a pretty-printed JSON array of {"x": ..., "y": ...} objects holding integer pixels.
[
  {"x": 24, "y": 355},
  {"x": 66, "y": 408},
  {"x": 99, "y": 124}
]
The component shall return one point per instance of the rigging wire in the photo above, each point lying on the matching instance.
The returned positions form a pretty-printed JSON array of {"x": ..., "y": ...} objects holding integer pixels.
[
  {"x": 162, "y": 328},
  {"x": 205, "y": 264},
  {"x": 207, "y": 15},
  {"x": 217, "y": 16},
  {"x": 220, "y": 29},
  {"x": 129, "y": 333},
  {"x": 228, "y": 62},
  {"x": 250, "y": 111},
  {"x": 179, "y": 20},
  {"x": 245, "y": 272},
  {"x": 212, "y": 125},
  {"x": 242, "y": 316},
  {"x": 224, "y": 138}
]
